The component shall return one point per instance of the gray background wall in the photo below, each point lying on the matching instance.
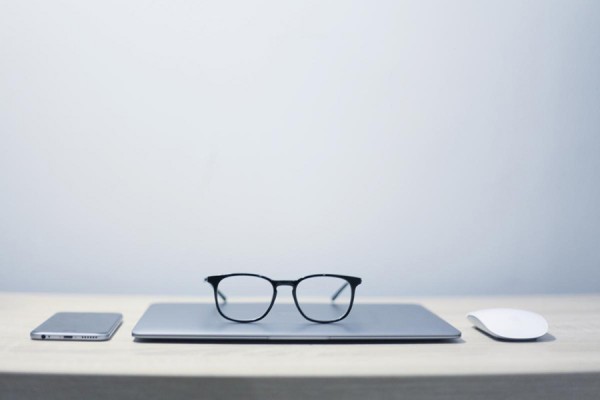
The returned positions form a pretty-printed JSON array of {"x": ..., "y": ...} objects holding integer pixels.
[{"x": 431, "y": 147}]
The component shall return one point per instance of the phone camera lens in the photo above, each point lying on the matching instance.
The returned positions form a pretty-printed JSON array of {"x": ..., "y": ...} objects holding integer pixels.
[{"x": 43, "y": 336}]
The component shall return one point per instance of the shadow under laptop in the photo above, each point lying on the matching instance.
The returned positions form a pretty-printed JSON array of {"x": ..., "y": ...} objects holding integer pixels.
[{"x": 246, "y": 341}]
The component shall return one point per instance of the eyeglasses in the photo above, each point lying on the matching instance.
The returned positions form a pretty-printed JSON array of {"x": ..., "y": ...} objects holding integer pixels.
[{"x": 233, "y": 291}]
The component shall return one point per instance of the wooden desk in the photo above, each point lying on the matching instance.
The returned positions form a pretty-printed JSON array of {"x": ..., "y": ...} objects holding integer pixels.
[{"x": 565, "y": 365}]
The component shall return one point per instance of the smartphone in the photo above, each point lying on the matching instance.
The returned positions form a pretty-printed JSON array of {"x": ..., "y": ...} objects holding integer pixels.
[{"x": 88, "y": 326}]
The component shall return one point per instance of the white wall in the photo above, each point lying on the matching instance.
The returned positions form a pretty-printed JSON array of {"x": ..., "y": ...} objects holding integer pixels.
[{"x": 431, "y": 147}]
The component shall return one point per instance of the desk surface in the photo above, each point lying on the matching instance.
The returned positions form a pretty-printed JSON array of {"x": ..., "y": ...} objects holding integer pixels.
[{"x": 571, "y": 348}]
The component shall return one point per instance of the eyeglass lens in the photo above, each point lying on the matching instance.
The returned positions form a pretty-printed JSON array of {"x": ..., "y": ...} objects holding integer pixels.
[
  {"x": 315, "y": 297},
  {"x": 239, "y": 290}
]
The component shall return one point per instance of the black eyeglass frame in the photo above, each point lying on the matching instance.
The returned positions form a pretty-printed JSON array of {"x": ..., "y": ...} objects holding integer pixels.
[{"x": 351, "y": 281}]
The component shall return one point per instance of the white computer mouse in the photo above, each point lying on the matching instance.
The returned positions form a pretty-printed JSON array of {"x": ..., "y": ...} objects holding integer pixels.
[{"x": 509, "y": 324}]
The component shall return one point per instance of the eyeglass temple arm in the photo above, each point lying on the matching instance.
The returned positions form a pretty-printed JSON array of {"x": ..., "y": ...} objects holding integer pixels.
[
  {"x": 339, "y": 291},
  {"x": 221, "y": 295}
]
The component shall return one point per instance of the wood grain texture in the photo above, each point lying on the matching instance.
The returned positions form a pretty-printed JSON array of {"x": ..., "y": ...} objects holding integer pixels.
[{"x": 570, "y": 354}]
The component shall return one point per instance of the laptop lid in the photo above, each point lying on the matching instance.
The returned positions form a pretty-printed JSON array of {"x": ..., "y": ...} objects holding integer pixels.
[{"x": 201, "y": 321}]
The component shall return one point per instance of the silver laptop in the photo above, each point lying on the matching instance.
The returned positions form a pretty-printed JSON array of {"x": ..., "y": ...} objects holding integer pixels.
[{"x": 366, "y": 322}]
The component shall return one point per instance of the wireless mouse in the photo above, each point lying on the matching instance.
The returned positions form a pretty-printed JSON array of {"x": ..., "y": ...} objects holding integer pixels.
[{"x": 509, "y": 324}]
